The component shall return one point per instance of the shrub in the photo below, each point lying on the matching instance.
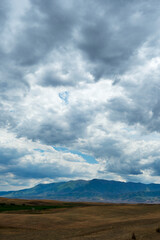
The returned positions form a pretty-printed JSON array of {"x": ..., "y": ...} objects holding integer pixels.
[
  {"x": 133, "y": 236},
  {"x": 158, "y": 229}
]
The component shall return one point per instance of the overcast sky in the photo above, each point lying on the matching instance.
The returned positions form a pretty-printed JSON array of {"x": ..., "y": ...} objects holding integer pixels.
[{"x": 79, "y": 91}]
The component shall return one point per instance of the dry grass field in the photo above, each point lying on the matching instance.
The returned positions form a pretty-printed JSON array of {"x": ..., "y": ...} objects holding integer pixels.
[{"x": 77, "y": 221}]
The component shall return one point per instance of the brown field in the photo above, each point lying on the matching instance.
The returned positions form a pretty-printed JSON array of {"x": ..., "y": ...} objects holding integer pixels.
[{"x": 80, "y": 221}]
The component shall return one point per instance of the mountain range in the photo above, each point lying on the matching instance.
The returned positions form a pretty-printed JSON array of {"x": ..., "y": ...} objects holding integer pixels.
[{"x": 96, "y": 190}]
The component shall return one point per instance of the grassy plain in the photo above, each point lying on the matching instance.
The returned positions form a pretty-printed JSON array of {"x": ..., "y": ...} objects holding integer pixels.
[{"x": 54, "y": 220}]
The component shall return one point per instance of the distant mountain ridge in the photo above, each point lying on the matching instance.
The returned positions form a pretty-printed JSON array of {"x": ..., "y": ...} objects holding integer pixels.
[{"x": 97, "y": 190}]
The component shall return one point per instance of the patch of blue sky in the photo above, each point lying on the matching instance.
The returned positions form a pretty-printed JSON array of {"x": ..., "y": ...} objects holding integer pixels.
[
  {"x": 64, "y": 96},
  {"x": 88, "y": 158},
  {"x": 39, "y": 150}
]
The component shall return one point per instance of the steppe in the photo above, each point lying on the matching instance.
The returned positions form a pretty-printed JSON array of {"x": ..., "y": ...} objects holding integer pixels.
[{"x": 54, "y": 220}]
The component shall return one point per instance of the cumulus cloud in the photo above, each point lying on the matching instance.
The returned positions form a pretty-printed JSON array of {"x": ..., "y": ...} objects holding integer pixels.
[
  {"x": 113, "y": 31},
  {"x": 45, "y": 27},
  {"x": 23, "y": 159},
  {"x": 83, "y": 76},
  {"x": 139, "y": 105}
]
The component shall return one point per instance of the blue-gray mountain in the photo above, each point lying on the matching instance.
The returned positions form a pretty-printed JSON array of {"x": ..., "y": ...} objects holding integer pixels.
[{"x": 93, "y": 190}]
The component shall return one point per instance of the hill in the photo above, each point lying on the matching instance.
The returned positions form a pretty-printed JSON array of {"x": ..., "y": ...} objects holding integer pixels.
[{"x": 96, "y": 190}]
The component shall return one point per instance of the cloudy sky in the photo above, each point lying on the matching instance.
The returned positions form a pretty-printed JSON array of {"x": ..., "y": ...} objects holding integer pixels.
[{"x": 79, "y": 91}]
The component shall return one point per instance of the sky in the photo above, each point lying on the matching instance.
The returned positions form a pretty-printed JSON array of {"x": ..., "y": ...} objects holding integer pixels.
[{"x": 79, "y": 91}]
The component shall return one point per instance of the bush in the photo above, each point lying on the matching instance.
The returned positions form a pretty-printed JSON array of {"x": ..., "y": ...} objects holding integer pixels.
[
  {"x": 158, "y": 229},
  {"x": 133, "y": 236}
]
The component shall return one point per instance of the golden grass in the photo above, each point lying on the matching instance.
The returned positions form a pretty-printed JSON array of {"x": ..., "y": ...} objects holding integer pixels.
[{"x": 95, "y": 221}]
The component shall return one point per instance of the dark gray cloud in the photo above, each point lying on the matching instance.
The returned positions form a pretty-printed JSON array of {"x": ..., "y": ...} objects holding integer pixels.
[
  {"x": 51, "y": 78},
  {"x": 107, "y": 33},
  {"x": 123, "y": 168},
  {"x": 116, "y": 159},
  {"x": 50, "y": 171},
  {"x": 123, "y": 110},
  {"x": 13, "y": 85},
  {"x": 57, "y": 129},
  {"x": 140, "y": 106},
  {"x": 107, "y": 147},
  {"x": 45, "y": 26},
  {"x": 4, "y": 13},
  {"x": 154, "y": 167},
  {"x": 8, "y": 156},
  {"x": 112, "y": 31}
]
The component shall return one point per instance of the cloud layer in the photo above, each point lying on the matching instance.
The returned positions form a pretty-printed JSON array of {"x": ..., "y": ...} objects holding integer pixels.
[{"x": 82, "y": 76}]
